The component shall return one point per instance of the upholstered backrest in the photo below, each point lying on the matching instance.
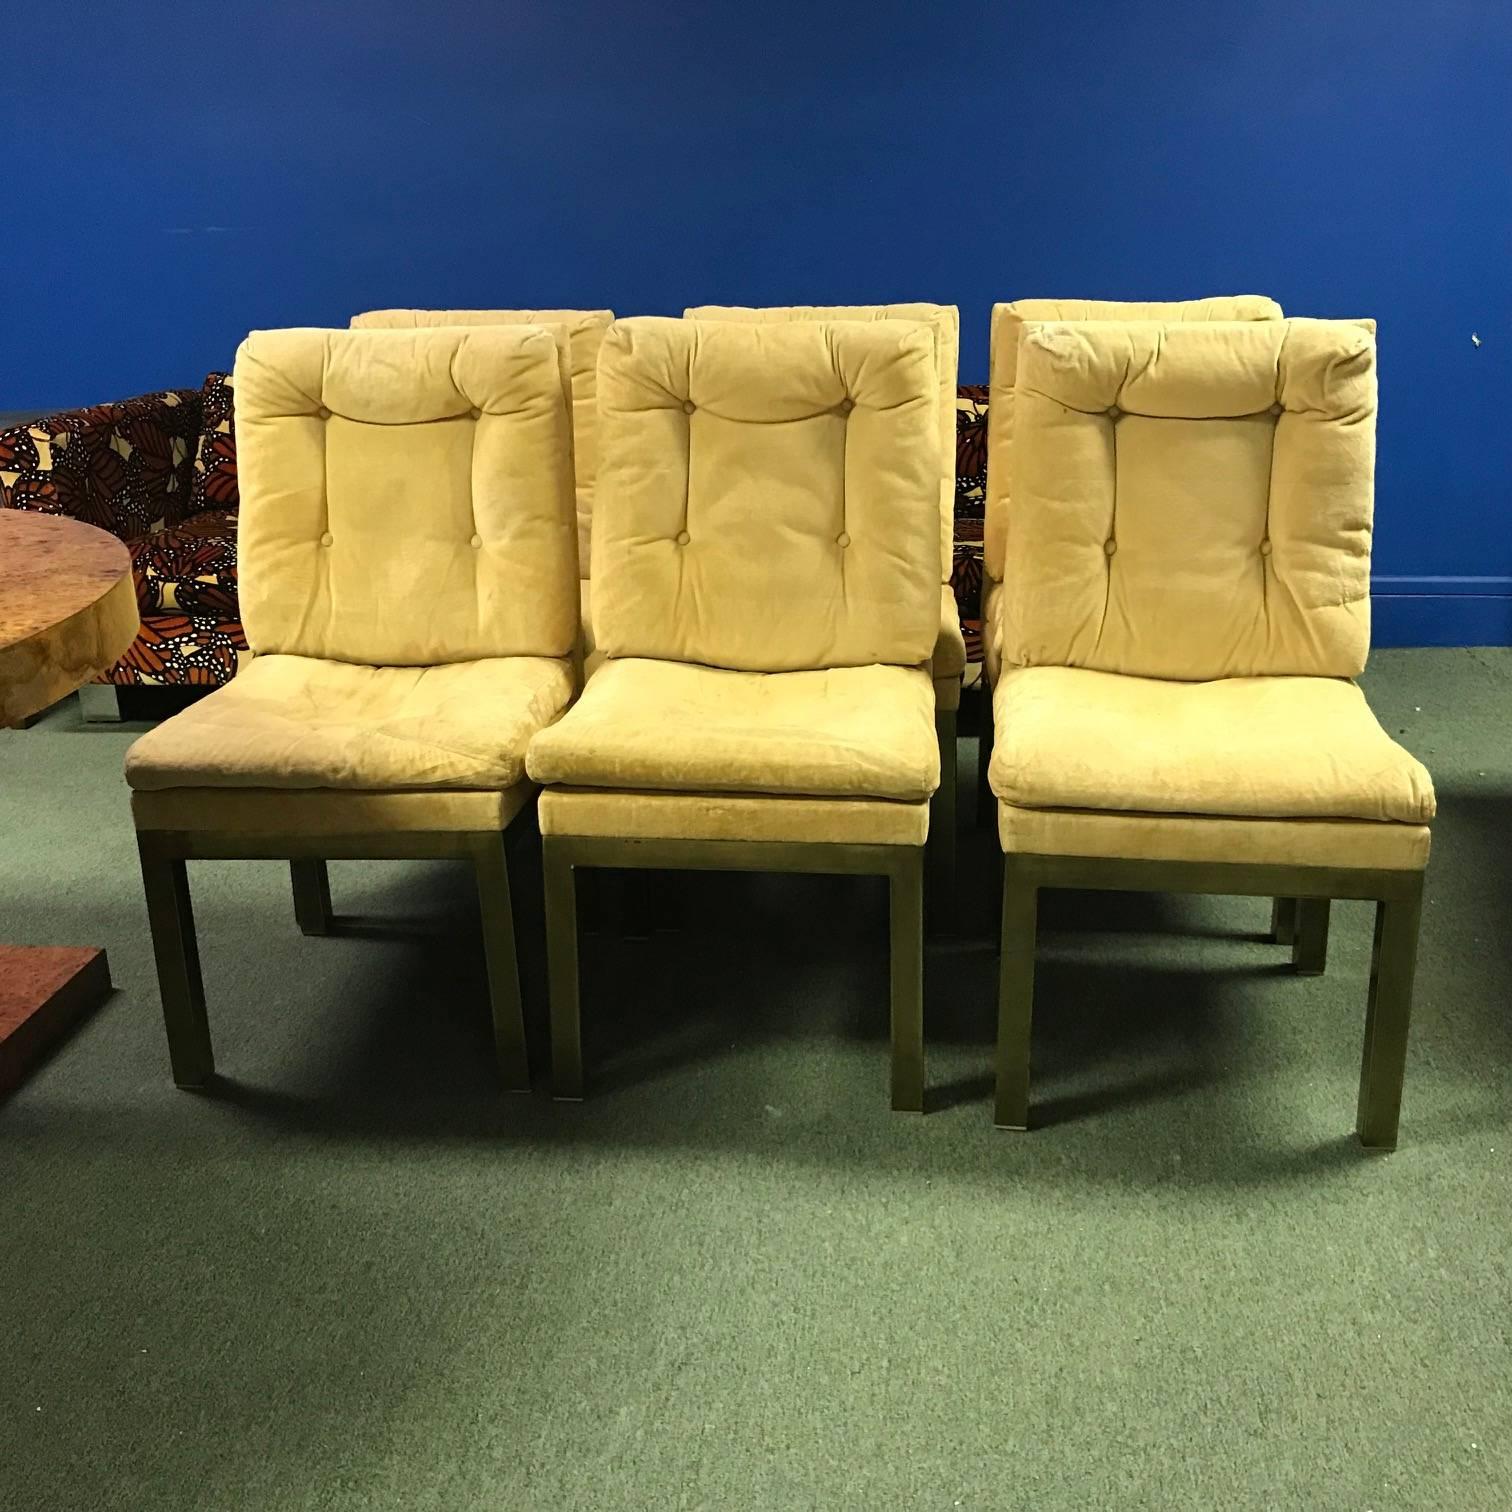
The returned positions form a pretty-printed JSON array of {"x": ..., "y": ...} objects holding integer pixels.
[
  {"x": 585, "y": 333},
  {"x": 768, "y": 494},
  {"x": 1192, "y": 501},
  {"x": 406, "y": 495},
  {"x": 946, "y": 323},
  {"x": 1007, "y": 324}
]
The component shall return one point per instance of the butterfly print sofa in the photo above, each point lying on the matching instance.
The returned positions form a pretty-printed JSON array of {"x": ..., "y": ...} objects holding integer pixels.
[{"x": 159, "y": 473}]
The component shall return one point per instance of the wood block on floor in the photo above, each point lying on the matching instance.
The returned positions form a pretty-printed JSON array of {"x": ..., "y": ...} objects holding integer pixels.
[{"x": 44, "y": 991}]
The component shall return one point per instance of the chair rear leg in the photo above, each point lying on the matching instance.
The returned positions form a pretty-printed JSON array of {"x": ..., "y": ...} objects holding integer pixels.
[
  {"x": 1283, "y": 929},
  {"x": 562, "y": 970},
  {"x": 1387, "y": 1019},
  {"x": 1015, "y": 994},
  {"x": 497, "y": 909},
  {"x": 986, "y": 805},
  {"x": 312, "y": 896},
  {"x": 906, "y": 931},
  {"x": 1310, "y": 942},
  {"x": 170, "y": 916}
]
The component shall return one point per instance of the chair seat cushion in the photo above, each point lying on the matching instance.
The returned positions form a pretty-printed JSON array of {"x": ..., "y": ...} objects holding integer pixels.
[
  {"x": 189, "y": 567},
  {"x": 1267, "y": 747},
  {"x": 846, "y": 732},
  {"x": 299, "y": 722}
]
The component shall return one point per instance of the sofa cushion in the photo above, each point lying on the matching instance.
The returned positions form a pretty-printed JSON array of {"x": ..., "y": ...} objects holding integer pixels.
[
  {"x": 1268, "y": 747},
  {"x": 197, "y": 649},
  {"x": 406, "y": 494},
  {"x": 298, "y": 722},
  {"x": 852, "y": 732},
  {"x": 188, "y": 567},
  {"x": 215, "y": 483},
  {"x": 768, "y": 494},
  {"x": 1192, "y": 501},
  {"x": 585, "y": 334}
]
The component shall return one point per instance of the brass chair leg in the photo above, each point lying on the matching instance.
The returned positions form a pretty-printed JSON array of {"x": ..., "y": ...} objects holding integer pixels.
[
  {"x": 1393, "y": 964},
  {"x": 180, "y": 985},
  {"x": 942, "y": 828},
  {"x": 1283, "y": 930},
  {"x": 312, "y": 896},
  {"x": 562, "y": 970},
  {"x": 492, "y": 870},
  {"x": 1015, "y": 994},
  {"x": 1310, "y": 942},
  {"x": 906, "y": 929}
]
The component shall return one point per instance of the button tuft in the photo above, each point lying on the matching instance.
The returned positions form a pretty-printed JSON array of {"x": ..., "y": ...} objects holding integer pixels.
[
  {"x": 847, "y": 404},
  {"x": 843, "y": 539},
  {"x": 1109, "y": 546},
  {"x": 1278, "y": 408},
  {"x": 688, "y": 406},
  {"x": 683, "y": 538},
  {"x": 325, "y": 540},
  {"x": 476, "y": 541},
  {"x": 476, "y": 413},
  {"x": 1114, "y": 412},
  {"x": 1265, "y": 547},
  {"x": 323, "y": 413}
]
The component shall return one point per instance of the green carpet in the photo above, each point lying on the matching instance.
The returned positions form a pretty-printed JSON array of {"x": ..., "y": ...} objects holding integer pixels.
[{"x": 356, "y": 1277}]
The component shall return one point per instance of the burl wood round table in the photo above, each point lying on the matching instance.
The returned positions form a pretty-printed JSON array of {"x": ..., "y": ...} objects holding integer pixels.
[{"x": 67, "y": 611}]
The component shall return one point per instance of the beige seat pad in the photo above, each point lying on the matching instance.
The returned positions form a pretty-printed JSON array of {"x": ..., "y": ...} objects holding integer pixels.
[
  {"x": 848, "y": 732},
  {"x": 298, "y": 722},
  {"x": 1268, "y": 747}
]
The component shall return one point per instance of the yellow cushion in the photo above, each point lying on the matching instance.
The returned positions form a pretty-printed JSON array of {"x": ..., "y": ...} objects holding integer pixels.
[
  {"x": 637, "y": 815},
  {"x": 406, "y": 496},
  {"x": 295, "y": 722},
  {"x": 1272, "y": 747},
  {"x": 992, "y": 629},
  {"x": 949, "y": 658},
  {"x": 767, "y": 494},
  {"x": 852, "y": 731},
  {"x": 1191, "y": 837},
  {"x": 946, "y": 322},
  {"x": 1007, "y": 326},
  {"x": 585, "y": 334},
  {"x": 1192, "y": 501}
]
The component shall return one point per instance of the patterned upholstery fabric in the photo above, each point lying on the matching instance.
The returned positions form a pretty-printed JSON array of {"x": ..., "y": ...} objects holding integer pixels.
[
  {"x": 158, "y": 472},
  {"x": 970, "y": 511}
]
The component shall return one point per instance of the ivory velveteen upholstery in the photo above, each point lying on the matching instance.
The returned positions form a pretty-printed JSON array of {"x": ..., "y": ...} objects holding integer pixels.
[
  {"x": 948, "y": 661},
  {"x": 1185, "y": 598},
  {"x": 409, "y": 569},
  {"x": 766, "y": 580},
  {"x": 585, "y": 334}
]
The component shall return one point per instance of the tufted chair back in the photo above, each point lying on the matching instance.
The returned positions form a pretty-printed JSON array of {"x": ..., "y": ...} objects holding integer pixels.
[
  {"x": 585, "y": 333},
  {"x": 406, "y": 495},
  {"x": 1192, "y": 501},
  {"x": 768, "y": 494},
  {"x": 1007, "y": 326},
  {"x": 946, "y": 323}
]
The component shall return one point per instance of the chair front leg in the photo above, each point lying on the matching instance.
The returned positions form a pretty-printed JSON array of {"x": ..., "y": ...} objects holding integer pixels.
[
  {"x": 562, "y": 970},
  {"x": 1310, "y": 941},
  {"x": 492, "y": 869},
  {"x": 312, "y": 896},
  {"x": 1015, "y": 993},
  {"x": 942, "y": 828},
  {"x": 170, "y": 917},
  {"x": 906, "y": 930},
  {"x": 1393, "y": 965}
]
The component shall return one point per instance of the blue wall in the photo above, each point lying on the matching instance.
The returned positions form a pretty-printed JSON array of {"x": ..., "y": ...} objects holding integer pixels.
[{"x": 178, "y": 174}]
